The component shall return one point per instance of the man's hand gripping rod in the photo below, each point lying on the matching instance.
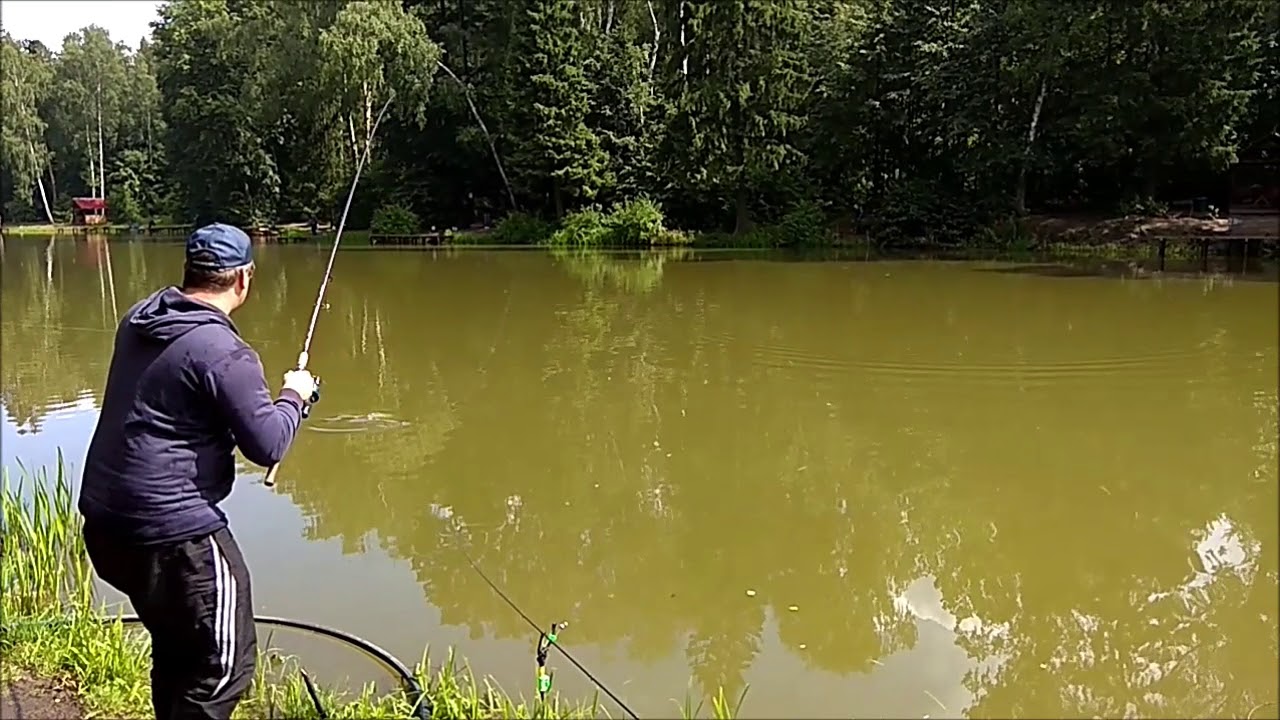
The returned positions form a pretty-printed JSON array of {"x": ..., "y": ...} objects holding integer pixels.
[{"x": 305, "y": 355}]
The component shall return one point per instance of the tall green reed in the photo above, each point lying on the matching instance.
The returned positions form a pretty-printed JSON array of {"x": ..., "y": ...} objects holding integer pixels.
[
  {"x": 51, "y": 625},
  {"x": 43, "y": 564}
]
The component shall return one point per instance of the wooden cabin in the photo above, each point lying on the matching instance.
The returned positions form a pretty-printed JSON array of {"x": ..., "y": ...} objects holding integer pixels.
[{"x": 88, "y": 211}]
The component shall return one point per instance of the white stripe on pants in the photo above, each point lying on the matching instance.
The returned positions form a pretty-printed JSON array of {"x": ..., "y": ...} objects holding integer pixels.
[{"x": 224, "y": 614}]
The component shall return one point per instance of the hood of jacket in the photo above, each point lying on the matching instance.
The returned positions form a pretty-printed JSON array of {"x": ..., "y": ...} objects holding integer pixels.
[{"x": 168, "y": 314}]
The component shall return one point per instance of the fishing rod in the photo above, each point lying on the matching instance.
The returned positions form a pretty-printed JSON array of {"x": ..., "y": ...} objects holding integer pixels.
[
  {"x": 546, "y": 640},
  {"x": 305, "y": 355}
]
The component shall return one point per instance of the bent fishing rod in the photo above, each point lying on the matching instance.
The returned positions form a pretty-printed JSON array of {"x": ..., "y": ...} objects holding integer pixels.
[
  {"x": 546, "y": 640},
  {"x": 305, "y": 355}
]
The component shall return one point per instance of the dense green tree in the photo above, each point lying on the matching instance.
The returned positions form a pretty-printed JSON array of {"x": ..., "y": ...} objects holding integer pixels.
[
  {"x": 625, "y": 108},
  {"x": 557, "y": 154},
  {"x": 92, "y": 82},
  {"x": 372, "y": 52},
  {"x": 736, "y": 79},
  {"x": 24, "y": 81},
  {"x": 211, "y": 98},
  {"x": 911, "y": 118}
]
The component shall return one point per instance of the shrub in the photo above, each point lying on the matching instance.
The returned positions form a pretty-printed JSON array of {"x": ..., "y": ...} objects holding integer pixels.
[
  {"x": 394, "y": 219},
  {"x": 520, "y": 229},
  {"x": 1009, "y": 233},
  {"x": 584, "y": 228},
  {"x": 635, "y": 223},
  {"x": 1142, "y": 206},
  {"x": 672, "y": 238},
  {"x": 803, "y": 225}
]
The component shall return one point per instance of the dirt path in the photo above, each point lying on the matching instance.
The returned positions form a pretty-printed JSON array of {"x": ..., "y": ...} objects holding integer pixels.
[
  {"x": 32, "y": 699},
  {"x": 1080, "y": 228}
]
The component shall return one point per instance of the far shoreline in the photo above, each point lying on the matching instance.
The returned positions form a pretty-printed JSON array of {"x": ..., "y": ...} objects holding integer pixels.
[{"x": 1044, "y": 236}]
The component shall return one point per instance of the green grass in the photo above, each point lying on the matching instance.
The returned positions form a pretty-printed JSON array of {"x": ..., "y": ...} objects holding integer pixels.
[{"x": 52, "y": 626}]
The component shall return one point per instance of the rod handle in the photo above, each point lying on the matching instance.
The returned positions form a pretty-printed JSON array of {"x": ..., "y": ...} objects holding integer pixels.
[
  {"x": 270, "y": 479},
  {"x": 303, "y": 357}
]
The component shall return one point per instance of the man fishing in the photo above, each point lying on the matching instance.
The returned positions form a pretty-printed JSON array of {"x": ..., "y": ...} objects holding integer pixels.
[{"x": 183, "y": 390}]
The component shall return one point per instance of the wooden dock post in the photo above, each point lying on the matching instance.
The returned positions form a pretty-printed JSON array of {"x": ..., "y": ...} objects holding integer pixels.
[{"x": 431, "y": 238}]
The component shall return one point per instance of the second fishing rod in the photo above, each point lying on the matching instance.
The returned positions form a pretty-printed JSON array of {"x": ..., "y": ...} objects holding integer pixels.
[{"x": 546, "y": 640}]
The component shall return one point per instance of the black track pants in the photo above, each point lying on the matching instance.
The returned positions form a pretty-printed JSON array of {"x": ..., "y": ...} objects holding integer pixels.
[{"x": 194, "y": 599}]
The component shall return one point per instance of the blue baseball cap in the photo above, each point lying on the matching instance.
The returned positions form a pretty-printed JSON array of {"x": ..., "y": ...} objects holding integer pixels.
[{"x": 218, "y": 247}]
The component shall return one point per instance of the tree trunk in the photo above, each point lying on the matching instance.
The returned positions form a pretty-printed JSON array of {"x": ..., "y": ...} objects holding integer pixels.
[
  {"x": 657, "y": 35},
  {"x": 742, "y": 212},
  {"x": 102, "y": 164},
  {"x": 53, "y": 183},
  {"x": 368, "y": 117},
  {"x": 355, "y": 144},
  {"x": 684, "y": 42},
  {"x": 93, "y": 178},
  {"x": 44, "y": 199},
  {"x": 1020, "y": 199},
  {"x": 559, "y": 198},
  {"x": 465, "y": 32}
]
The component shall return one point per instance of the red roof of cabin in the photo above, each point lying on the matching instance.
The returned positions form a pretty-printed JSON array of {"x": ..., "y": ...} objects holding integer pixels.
[{"x": 89, "y": 203}]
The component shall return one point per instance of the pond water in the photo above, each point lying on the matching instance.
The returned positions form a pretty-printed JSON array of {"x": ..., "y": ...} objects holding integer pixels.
[{"x": 855, "y": 489}]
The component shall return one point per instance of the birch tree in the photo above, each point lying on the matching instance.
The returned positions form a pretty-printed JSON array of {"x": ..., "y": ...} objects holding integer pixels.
[
  {"x": 371, "y": 51},
  {"x": 92, "y": 80},
  {"x": 24, "y": 81}
]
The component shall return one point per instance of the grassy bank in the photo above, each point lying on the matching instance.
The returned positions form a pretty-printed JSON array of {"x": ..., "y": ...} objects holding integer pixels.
[
  {"x": 641, "y": 224},
  {"x": 54, "y": 630}
]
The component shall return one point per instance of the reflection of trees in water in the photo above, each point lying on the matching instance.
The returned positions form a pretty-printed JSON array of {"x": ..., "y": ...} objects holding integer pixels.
[
  {"x": 630, "y": 271},
  {"x": 634, "y": 457},
  {"x": 56, "y": 339},
  {"x": 1189, "y": 650},
  {"x": 1105, "y": 609},
  {"x": 636, "y": 464}
]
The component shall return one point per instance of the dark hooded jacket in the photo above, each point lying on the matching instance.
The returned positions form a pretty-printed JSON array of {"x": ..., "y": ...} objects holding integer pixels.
[{"x": 183, "y": 391}]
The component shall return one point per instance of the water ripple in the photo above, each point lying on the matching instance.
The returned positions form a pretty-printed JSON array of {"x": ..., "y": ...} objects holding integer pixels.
[
  {"x": 1162, "y": 363},
  {"x": 356, "y": 423}
]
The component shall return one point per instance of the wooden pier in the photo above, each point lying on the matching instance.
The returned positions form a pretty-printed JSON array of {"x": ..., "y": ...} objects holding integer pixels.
[
  {"x": 1241, "y": 235},
  {"x": 158, "y": 232},
  {"x": 431, "y": 238}
]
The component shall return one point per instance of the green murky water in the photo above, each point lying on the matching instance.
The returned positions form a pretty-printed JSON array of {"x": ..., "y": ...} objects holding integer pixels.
[{"x": 862, "y": 489}]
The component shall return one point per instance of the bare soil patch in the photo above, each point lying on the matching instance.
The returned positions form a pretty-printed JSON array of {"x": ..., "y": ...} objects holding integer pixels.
[
  {"x": 1104, "y": 230},
  {"x": 27, "y": 698}
]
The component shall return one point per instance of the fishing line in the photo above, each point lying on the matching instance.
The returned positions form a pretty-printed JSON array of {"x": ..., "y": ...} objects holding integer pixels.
[
  {"x": 541, "y": 634},
  {"x": 305, "y": 355},
  {"x": 498, "y": 335}
]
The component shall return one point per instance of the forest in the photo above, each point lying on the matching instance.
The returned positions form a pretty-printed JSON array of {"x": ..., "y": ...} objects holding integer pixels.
[{"x": 912, "y": 117}]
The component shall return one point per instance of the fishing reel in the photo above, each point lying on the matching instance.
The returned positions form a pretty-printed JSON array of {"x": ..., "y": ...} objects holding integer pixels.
[{"x": 315, "y": 398}]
